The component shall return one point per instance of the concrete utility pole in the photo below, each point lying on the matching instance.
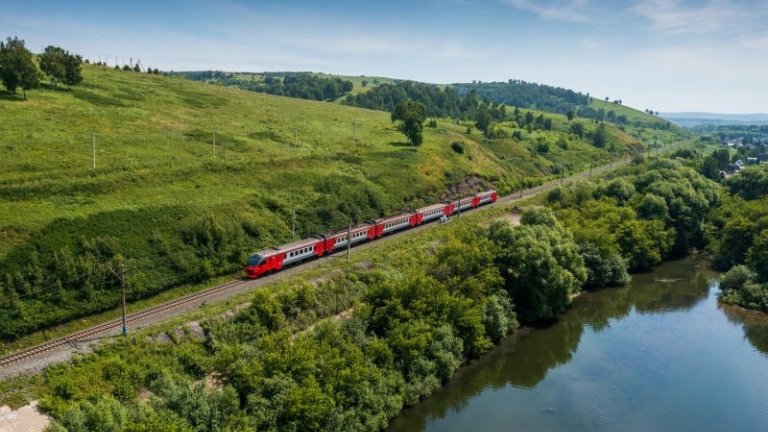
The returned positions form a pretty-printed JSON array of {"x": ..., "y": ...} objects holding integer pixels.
[
  {"x": 458, "y": 207},
  {"x": 122, "y": 277},
  {"x": 349, "y": 238},
  {"x": 93, "y": 140},
  {"x": 293, "y": 227}
]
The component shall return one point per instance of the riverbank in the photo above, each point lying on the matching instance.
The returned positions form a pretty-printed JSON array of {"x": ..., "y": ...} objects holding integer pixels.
[{"x": 648, "y": 356}]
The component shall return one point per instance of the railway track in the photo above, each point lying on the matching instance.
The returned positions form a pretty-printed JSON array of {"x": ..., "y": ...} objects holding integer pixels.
[
  {"x": 233, "y": 285},
  {"x": 85, "y": 335}
]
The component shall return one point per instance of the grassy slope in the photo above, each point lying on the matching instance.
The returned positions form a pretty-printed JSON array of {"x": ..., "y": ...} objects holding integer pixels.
[
  {"x": 156, "y": 174},
  {"x": 154, "y": 148}
]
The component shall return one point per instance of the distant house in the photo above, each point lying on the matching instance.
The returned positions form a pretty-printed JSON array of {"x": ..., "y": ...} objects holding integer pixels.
[
  {"x": 752, "y": 161},
  {"x": 739, "y": 164},
  {"x": 762, "y": 157},
  {"x": 732, "y": 168}
]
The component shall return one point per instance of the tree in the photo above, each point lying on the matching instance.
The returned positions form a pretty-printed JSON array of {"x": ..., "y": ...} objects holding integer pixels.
[
  {"x": 411, "y": 116},
  {"x": 73, "y": 74},
  {"x": 483, "y": 121},
  {"x": 540, "y": 264},
  {"x": 52, "y": 63},
  {"x": 17, "y": 69},
  {"x": 600, "y": 137},
  {"x": 577, "y": 128},
  {"x": 757, "y": 256}
]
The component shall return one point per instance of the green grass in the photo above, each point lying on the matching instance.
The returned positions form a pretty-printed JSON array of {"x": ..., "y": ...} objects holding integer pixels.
[{"x": 156, "y": 179}]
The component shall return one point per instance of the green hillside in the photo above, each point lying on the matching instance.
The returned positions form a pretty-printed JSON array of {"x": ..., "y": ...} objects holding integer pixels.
[{"x": 158, "y": 197}]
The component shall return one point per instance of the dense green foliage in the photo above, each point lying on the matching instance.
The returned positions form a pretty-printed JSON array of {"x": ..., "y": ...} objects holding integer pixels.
[
  {"x": 654, "y": 210},
  {"x": 540, "y": 263},
  {"x": 439, "y": 102},
  {"x": 17, "y": 66},
  {"x": 61, "y": 66},
  {"x": 525, "y": 95},
  {"x": 411, "y": 116},
  {"x": 750, "y": 183},
  {"x": 739, "y": 239}
]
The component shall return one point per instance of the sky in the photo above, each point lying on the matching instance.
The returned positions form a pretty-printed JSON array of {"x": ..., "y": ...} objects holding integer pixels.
[{"x": 666, "y": 55}]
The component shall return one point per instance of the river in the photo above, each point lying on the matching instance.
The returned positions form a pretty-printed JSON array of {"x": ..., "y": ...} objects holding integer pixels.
[{"x": 658, "y": 355}]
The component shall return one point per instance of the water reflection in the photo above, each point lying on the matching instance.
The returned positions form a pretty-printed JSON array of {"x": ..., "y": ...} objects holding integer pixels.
[
  {"x": 754, "y": 324},
  {"x": 524, "y": 360}
]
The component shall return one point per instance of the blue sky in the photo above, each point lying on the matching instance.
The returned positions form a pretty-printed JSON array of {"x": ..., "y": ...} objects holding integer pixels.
[{"x": 668, "y": 55}]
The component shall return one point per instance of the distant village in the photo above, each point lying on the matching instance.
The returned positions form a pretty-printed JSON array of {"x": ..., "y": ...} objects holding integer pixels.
[{"x": 750, "y": 151}]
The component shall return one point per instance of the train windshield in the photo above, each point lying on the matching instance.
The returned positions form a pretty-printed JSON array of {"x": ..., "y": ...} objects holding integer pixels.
[{"x": 255, "y": 259}]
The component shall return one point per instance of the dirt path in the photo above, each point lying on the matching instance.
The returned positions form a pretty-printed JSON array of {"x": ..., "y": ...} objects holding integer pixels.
[{"x": 24, "y": 419}]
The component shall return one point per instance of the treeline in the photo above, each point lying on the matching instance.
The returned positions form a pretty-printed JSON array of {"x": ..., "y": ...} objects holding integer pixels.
[
  {"x": 19, "y": 68},
  {"x": 526, "y": 95},
  {"x": 404, "y": 326},
  {"x": 456, "y": 101},
  {"x": 490, "y": 100},
  {"x": 739, "y": 239},
  {"x": 303, "y": 85}
]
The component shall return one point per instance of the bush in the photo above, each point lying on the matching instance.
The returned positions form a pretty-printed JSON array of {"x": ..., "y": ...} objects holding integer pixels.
[
  {"x": 737, "y": 278},
  {"x": 457, "y": 147}
]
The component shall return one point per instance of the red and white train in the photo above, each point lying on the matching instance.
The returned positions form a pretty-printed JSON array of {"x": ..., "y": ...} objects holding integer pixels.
[{"x": 272, "y": 260}]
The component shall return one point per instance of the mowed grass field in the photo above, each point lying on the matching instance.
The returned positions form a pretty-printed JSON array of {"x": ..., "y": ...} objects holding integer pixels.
[{"x": 157, "y": 185}]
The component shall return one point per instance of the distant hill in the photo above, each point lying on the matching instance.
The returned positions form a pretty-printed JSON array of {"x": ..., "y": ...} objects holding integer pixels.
[
  {"x": 692, "y": 119},
  {"x": 457, "y": 100}
]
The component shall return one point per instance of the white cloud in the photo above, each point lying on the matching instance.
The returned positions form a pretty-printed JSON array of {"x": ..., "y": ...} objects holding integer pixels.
[
  {"x": 568, "y": 10},
  {"x": 713, "y": 17}
]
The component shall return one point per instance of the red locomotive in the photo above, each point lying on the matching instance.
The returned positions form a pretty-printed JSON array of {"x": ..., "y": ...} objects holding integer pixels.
[{"x": 272, "y": 260}]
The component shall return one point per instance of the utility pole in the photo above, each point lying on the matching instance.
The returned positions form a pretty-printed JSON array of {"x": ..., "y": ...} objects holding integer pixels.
[
  {"x": 93, "y": 140},
  {"x": 214, "y": 143},
  {"x": 121, "y": 276},
  {"x": 349, "y": 238},
  {"x": 293, "y": 227},
  {"x": 122, "y": 288},
  {"x": 458, "y": 207}
]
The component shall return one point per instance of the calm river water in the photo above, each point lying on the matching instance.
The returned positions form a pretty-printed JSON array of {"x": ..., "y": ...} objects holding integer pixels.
[{"x": 660, "y": 355}]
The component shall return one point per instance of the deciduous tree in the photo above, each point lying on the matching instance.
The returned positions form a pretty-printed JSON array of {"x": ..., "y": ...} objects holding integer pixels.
[
  {"x": 411, "y": 116},
  {"x": 17, "y": 68}
]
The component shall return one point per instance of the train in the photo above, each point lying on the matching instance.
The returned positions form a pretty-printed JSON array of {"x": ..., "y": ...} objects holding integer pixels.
[{"x": 278, "y": 257}]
